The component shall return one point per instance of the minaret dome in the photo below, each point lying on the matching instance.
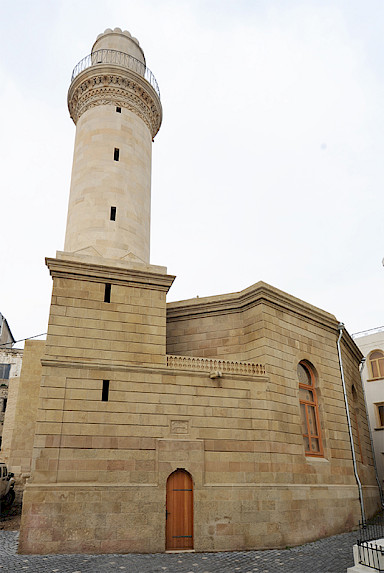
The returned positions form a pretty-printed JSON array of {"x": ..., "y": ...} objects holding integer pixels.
[{"x": 119, "y": 41}]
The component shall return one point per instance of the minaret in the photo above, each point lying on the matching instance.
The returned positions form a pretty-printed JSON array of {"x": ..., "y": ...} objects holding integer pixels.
[
  {"x": 107, "y": 322},
  {"x": 114, "y": 100}
]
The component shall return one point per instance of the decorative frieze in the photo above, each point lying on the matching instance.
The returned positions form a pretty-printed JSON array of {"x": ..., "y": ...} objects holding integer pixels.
[{"x": 125, "y": 88}]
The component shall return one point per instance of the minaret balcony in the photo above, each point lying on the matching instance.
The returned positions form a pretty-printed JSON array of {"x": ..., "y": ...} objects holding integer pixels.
[{"x": 107, "y": 56}]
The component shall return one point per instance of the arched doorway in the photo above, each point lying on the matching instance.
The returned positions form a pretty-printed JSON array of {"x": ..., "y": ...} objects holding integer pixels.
[{"x": 179, "y": 511}]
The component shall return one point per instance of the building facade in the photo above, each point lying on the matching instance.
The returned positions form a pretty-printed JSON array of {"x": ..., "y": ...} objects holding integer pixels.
[
  {"x": 20, "y": 415},
  {"x": 10, "y": 366},
  {"x": 6, "y": 336},
  {"x": 371, "y": 344},
  {"x": 211, "y": 424}
]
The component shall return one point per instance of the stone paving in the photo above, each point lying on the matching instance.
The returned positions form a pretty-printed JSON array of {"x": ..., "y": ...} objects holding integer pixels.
[{"x": 330, "y": 555}]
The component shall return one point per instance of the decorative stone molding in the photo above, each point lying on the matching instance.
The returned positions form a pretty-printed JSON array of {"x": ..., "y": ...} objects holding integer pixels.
[
  {"x": 211, "y": 364},
  {"x": 113, "y": 85},
  {"x": 81, "y": 270},
  {"x": 259, "y": 293},
  {"x": 179, "y": 427}
]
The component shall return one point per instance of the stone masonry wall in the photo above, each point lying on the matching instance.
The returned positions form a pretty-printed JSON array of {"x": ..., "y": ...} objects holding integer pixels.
[
  {"x": 113, "y": 459},
  {"x": 238, "y": 434},
  {"x": 283, "y": 331}
]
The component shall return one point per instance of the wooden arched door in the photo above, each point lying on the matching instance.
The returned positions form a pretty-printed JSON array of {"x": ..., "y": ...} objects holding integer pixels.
[{"x": 179, "y": 511}]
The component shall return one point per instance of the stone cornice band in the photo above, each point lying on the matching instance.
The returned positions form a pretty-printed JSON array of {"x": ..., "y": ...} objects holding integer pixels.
[
  {"x": 100, "y": 273},
  {"x": 259, "y": 293}
]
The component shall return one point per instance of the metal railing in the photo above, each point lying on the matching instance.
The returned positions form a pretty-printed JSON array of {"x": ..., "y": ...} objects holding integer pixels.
[
  {"x": 120, "y": 59},
  {"x": 371, "y": 544},
  {"x": 372, "y": 530},
  {"x": 371, "y": 555}
]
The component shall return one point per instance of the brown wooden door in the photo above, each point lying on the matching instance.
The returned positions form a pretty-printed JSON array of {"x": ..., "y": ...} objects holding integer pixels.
[{"x": 179, "y": 512}]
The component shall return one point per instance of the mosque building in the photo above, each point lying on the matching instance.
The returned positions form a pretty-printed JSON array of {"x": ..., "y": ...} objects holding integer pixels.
[{"x": 208, "y": 424}]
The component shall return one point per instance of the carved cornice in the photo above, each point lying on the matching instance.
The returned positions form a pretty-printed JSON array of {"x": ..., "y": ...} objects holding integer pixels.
[
  {"x": 259, "y": 293},
  {"x": 256, "y": 294},
  {"x": 118, "y": 86},
  {"x": 116, "y": 275}
]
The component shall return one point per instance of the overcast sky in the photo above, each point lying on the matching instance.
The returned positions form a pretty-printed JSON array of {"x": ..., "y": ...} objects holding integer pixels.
[{"x": 268, "y": 166}]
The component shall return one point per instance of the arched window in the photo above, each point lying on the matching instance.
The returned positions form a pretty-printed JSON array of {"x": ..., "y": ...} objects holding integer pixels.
[
  {"x": 376, "y": 364},
  {"x": 309, "y": 410}
]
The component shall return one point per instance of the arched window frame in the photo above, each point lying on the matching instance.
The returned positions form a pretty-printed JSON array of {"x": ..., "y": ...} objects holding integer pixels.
[
  {"x": 309, "y": 405},
  {"x": 179, "y": 526},
  {"x": 376, "y": 364}
]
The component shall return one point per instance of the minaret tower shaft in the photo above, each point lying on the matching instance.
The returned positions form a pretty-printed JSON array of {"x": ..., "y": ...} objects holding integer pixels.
[{"x": 114, "y": 101}]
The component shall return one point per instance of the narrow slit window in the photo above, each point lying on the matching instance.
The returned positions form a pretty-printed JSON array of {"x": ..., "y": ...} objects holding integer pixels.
[
  {"x": 105, "y": 391},
  {"x": 116, "y": 154},
  {"x": 118, "y": 109},
  {"x": 107, "y": 292},
  {"x": 113, "y": 214}
]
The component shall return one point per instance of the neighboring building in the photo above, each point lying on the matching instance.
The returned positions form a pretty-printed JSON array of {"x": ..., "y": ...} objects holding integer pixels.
[
  {"x": 6, "y": 337},
  {"x": 371, "y": 344},
  {"x": 10, "y": 366},
  {"x": 210, "y": 424},
  {"x": 20, "y": 418}
]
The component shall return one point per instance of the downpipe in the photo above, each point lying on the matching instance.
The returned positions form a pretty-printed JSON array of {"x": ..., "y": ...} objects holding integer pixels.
[
  {"x": 362, "y": 364},
  {"x": 341, "y": 328}
]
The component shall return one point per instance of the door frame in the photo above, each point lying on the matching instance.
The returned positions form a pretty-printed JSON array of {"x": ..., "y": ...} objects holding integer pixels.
[{"x": 190, "y": 518}]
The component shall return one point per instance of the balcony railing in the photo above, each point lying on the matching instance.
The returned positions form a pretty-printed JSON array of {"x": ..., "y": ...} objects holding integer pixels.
[
  {"x": 212, "y": 364},
  {"x": 120, "y": 59}
]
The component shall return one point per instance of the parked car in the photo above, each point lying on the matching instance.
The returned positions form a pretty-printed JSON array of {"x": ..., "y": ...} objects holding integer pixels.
[{"x": 7, "y": 484}]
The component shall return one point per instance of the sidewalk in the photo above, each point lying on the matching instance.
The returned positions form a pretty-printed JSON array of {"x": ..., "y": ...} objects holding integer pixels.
[{"x": 330, "y": 555}]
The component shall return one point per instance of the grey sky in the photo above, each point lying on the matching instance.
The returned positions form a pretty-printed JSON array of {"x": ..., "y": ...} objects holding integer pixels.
[{"x": 268, "y": 165}]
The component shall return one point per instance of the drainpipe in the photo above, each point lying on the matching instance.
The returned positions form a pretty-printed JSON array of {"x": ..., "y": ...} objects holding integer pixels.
[
  {"x": 362, "y": 363},
  {"x": 341, "y": 328}
]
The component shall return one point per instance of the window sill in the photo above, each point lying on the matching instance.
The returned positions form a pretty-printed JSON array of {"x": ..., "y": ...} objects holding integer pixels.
[
  {"x": 375, "y": 379},
  {"x": 379, "y": 429},
  {"x": 316, "y": 459}
]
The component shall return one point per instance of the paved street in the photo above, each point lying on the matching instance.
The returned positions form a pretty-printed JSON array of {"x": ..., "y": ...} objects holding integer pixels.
[{"x": 331, "y": 555}]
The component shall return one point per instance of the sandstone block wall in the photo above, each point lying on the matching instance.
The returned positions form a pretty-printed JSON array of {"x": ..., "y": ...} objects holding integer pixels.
[
  {"x": 110, "y": 462},
  {"x": 239, "y": 434},
  {"x": 283, "y": 331},
  {"x": 131, "y": 328}
]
